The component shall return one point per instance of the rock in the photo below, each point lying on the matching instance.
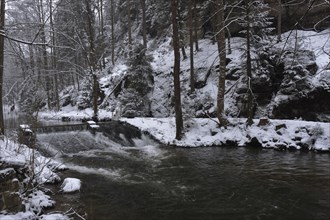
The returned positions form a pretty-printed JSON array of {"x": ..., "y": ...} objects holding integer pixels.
[
  {"x": 7, "y": 174},
  {"x": 254, "y": 142},
  {"x": 278, "y": 127},
  {"x": 65, "y": 119},
  {"x": 213, "y": 133},
  {"x": 281, "y": 146},
  {"x": 10, "y": 201},
  {"x": 263, "y": 122}
]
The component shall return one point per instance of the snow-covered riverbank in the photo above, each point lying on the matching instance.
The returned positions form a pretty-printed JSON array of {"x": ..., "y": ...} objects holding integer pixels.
[
  {"x": 23, "y": 172},
  {"x": 278, "y": 134}
]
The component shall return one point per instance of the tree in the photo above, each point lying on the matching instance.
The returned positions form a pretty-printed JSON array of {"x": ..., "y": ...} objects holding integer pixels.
[
  {"x": 2, "y": 48},
  {"x": 191, "y": 45},
  {"x": 221, "y": 40},
  {"x": 138, "y": 84},
  {"x": 195, "y": 25},
  {"x": 256, "y": 22},
  {"x": 176, "y": 74},
  {"x": 112, "y": 8},
  {"x": 144, "y": 28},
  {"x": 279, "y": 20},
  {"x": 92, "y": 58},
  {"x": 249, "y": 64}
]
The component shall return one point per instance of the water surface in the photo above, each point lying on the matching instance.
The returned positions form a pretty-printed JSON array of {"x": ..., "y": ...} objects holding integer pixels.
[{"x": 148, "y": 181}]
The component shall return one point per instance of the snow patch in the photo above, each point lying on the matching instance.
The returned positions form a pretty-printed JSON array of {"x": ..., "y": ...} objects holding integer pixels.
[{"x": 71, "y": 185}]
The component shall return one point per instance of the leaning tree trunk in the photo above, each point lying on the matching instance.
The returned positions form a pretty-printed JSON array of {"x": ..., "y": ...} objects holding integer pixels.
[{"x": 177, "y": 89}]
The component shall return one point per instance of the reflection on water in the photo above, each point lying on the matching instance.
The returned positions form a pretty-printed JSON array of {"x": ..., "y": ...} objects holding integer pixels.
[{"x": 159, "y": 182}]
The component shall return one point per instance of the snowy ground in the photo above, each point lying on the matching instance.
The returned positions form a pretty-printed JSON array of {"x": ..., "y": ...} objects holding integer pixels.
[
  {"x": 279, "y": 134},
  {"x": 294, "y": 134},
  {"x": 204, "y": 132},
  {"x": 14, "y": 154}
]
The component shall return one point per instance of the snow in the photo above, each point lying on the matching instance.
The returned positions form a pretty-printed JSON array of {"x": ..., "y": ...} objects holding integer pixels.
[
  {"x": 20, "y": 155},
  {"x": 71, "y": 185},
  {"x": 37, "y": 201},
  {"x": 73, "y": 113},
  {"x": 205, "y": 132},
  {"x": 12, "y": 153},
  {"x": 31, "y": 215}
]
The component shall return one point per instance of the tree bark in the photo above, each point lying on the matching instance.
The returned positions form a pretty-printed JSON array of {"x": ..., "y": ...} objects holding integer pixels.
[
  {"x": 144, "y": 28},
  {"x": 177, "y": 89},
  {"x": 44, "y": 62},
  {"x": 249, "y": 65},
  {"x": 129, "y": 24},
  {"x": 191, "y": 45},
  {"x": 53, "y": 52},
  {"x": 195, "y": 25},
  {"x": 92, "y": 59},
  {"x": 2, "y": 48},
  {"x": 112, "y": 32},
  {"x": 221, "y": 40},
  {"x": 279, "y": 21}
]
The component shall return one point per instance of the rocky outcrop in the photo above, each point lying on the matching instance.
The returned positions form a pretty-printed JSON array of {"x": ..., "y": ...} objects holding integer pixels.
[{"x": 287, "y": 87}]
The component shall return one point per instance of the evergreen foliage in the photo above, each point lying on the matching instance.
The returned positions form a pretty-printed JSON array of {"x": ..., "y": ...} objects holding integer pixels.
[{"x": 135, "y": 99}]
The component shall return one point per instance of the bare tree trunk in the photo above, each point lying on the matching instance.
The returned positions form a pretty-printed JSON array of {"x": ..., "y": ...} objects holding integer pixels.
[
  {"x": 112, "y": 32},
  {"x": 279, "y": 21},
  {"x": 177, "y": 89},
  {"x": 92, "y": 60},
  {"x": 129, "y": 23},
  {"x": 191, "y": 44},
  {"x": 53, "y": 51},
  {"x": 2, "y": 48},
  {"x": 196, "y": 25},
  {"x": 44, "y": 51},
  {"x": 180, "y": 31},
  {"x": 101, "y": 5},
  {"x": 221, "y": 40},
  {"x": 144, "y": 28},
  {"x": 249, "y": 65}
]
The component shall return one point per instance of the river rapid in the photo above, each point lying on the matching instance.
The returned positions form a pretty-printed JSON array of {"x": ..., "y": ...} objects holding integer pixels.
[{"x": 140, "y": 179}]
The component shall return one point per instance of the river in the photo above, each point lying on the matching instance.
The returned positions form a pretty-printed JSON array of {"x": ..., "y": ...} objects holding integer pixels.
[
  {"x": 129, "y": 177},
  {"x": 149, "y": 181}
]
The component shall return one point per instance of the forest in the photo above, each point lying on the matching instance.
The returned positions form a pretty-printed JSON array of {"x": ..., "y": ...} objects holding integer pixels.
[
  {"x": 56, "y": 53},
  {"x": 153, "y": 78}
]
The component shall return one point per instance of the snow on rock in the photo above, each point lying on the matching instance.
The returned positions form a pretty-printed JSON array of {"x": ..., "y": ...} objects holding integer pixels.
[
  {"x": 278, "y": 134},
  {"x": 20, "y": 155},
  {"x": 37, "y": 201},
  {"x": 71, "y": 185},
  {"x": 54, "y": 217},
  {"x": 18, "y": 216}
]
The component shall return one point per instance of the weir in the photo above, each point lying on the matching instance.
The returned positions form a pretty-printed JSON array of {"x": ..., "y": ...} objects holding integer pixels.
[{"x": 60, "y": 128}]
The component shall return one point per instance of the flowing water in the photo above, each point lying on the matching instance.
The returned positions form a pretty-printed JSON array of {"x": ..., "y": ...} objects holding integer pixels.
[{"x": 135, "y": 178}]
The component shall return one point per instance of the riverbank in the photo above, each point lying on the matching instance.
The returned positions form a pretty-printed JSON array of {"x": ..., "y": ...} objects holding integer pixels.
[
  {"x": 276, "y": 134},
  {"x": 201, "y": 132},
  {"x": 23, "y": 173}
]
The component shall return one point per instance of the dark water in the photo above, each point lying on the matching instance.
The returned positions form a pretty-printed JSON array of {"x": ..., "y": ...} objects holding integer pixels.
[{"x": 148, "y": 181}]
